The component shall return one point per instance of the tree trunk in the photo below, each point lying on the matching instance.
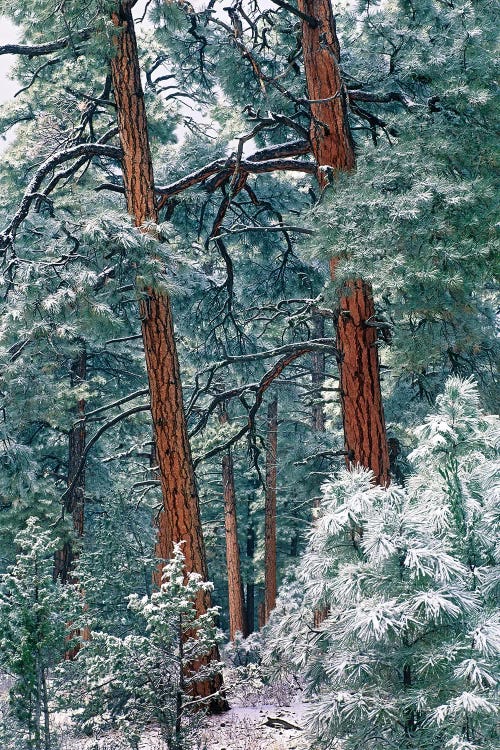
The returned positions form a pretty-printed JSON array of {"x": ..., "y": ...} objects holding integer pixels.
[
  {"x": 180, "y": 519},
  {"x": 234, "y": 582},
  {"x": 236, "y": 602},
  {"x": 250, "y": 592},
  {"x": 317, "y": 377},
  {"x": 362, "y": 412},
  {"x": 270, "y": 510},
  {"x": 75, "y": 502}
]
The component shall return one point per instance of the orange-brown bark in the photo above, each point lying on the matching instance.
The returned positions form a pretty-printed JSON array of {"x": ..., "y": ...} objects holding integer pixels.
[
  {"x": 237, "y": 621},
  {"x": 365, "y": 435},
  {"x": 180, "y": 518},
  {"x": 330, "y": 135},
  {"x": 332, "y": 146},
  {"x": 270, "y": 589},
  {"x": 236, "y": 602}
]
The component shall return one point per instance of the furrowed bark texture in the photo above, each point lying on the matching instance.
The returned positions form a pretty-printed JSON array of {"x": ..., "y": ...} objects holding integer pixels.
[
  {"x": 362, "y": 411},
  {"x": 180, "y": 518},
  {"x": 270, "y": 509},
  {"x": 330, "y": 134}
]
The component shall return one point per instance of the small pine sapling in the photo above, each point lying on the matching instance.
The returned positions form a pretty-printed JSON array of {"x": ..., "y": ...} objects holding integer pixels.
[
  {"x": 145, "y": 679},
  {"x": 35, "y": 617}
]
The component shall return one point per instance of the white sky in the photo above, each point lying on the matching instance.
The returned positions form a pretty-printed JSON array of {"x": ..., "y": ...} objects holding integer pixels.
[{"x": 8, "y": 35}]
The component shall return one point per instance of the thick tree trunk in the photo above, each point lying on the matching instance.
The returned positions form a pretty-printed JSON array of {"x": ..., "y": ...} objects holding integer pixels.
[
  {"x": 362, "y": 410},
  {"x": 332, "y": 145},
  {"x": 331, "y": 138},
  {"x": 237, "y": 621},
  {"x": 180, "y": 519},
  {"x": 270, "y": 509}
]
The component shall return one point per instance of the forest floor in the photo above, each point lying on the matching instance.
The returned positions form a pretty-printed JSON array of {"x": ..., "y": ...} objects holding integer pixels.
[
  {"x": 269, "y": 720},
  {"x": 266, "y": 727}
]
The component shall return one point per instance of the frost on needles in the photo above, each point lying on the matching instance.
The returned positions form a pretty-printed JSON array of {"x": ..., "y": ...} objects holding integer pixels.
[{"x": 408, "y": 654}]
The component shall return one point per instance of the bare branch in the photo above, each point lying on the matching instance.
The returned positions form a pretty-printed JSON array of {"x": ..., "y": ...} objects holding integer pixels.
[
  {"x": 310, "y": 20},
  {"x": 36, "y": 50},
  {"x": 119, "y": 402},
  {"x": 266, "y": 160},
  {"x": 290, "y": 352}
]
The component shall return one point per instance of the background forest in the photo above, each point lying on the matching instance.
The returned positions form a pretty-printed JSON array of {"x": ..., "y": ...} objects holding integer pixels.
[{"x": 248, "y": 370}]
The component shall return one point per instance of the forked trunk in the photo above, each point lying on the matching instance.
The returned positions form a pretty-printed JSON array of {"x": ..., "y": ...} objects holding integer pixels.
[
  {"x": 180, "y": 518},
  {"x": 362, "y": 412},
  {"x": 270, "y": 510}
]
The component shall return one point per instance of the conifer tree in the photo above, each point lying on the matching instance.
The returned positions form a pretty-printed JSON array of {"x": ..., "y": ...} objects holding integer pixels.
[
  {"x": 408, "y": 655},
  {"x": 34, "y": 612}
]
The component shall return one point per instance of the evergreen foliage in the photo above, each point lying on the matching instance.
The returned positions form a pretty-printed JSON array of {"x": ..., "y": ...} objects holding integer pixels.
[
  {"x": 35, "y": 618},
  {"x": 407, "y": 656},
  {"x": 143, "y": 679},
  {"x": 408, "y": 575}
]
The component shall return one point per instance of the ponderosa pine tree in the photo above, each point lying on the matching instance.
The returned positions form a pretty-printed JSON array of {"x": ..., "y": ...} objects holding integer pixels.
[
  {"x": 236, "y": 601},
  {"x": 416, "y": 216},
  {"x": 180, "y": 519},
  {"x": 365, "y": 437}
]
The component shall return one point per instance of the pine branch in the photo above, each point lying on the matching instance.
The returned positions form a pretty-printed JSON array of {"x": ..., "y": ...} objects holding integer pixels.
[
  {"x": 32, "y": 192},
  {"x": 36, "y": 50},
  {"x": 276, "y": 158},
  {"x": 123, "y": 415}
]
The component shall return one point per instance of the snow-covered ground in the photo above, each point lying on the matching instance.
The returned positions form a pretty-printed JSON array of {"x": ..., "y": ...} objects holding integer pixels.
[
  {"x": 241, "y": 728},
  {"x": 250, "y": 724},
  {"x": 256, "y": 728}
]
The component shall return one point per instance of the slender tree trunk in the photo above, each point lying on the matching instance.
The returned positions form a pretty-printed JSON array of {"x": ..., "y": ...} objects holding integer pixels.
[
  {"x": 362, "y": 412},
  {"x": 270, "y": 509},
  {"x": 317, "y": 377},
  {"x": 237, "y": 622},
  {"x": 65, "y": 558},
  {"x": 180, "y": 519},
  {"x": 318, "y": 415},
  {"x": 75, "y": 503},
  {"x": 250, "y": 588}
]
